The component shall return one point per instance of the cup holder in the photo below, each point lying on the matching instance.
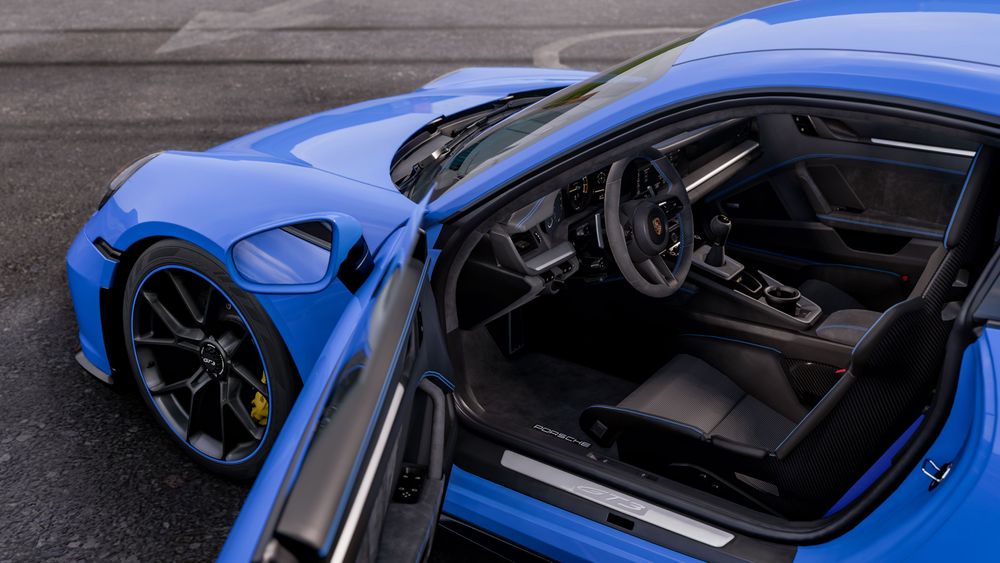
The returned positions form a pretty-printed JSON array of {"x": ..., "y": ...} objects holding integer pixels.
[{"x": 783, "y": 298}]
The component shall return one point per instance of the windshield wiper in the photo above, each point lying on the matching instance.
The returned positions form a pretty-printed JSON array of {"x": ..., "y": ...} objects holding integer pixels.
[
  {"x": 460, "y": 137},
  {"x": 407, "y": 183},
  {"x": 463, "y": 134}
]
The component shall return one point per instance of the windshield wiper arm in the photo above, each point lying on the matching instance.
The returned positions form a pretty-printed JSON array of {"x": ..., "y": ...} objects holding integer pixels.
[
  {"x": 407, "y": 183},
  {"x": 460, "y": 136},
  {"x": 463, "y": 134}
]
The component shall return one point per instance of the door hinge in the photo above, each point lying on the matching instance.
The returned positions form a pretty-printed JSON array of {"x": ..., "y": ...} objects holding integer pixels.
[{"x": 936, "y": 474}]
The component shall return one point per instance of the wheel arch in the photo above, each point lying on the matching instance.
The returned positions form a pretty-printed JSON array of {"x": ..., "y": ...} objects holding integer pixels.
[{"x": 112, "y": 302}]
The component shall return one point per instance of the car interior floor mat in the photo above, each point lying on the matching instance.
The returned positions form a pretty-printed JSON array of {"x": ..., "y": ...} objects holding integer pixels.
[{"x": 536, "y": 394}]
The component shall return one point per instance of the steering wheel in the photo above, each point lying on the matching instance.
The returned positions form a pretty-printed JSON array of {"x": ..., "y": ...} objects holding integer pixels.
[{"x": 638, "y": 227}]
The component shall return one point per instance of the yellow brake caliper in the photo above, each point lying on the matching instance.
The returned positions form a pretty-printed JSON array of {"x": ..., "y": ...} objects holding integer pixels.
[{"x": 259, "y": 410}]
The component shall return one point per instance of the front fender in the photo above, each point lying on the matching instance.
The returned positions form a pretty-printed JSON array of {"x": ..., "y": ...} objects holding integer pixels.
[{"x": 214, "y": 199}]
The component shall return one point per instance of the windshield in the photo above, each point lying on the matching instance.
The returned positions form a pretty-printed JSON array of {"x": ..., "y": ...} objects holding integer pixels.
[{"x": 548, "y": 115}]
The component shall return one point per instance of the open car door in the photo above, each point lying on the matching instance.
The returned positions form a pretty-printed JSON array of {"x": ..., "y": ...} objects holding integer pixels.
[{"x": 375, "y": 450}]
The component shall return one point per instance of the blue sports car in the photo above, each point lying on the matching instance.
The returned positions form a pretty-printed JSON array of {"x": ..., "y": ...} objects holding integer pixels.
[{"x": 733, "y": 299}]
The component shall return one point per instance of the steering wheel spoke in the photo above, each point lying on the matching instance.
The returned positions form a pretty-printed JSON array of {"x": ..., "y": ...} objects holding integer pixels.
[
  {"x": 657, "y": 270},
  {"x": 661, "y": 197},
  {"x": 669, "y": 172},
  {"x": 671, "y": 205},
  {"x": 626, "y": 223}
]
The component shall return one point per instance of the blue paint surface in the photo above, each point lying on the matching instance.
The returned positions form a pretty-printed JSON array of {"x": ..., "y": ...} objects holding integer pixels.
[
  {"x": 88, "y": 272},
  {"x": 334, "y": 163},
  {"x": 943, "y": 54}
]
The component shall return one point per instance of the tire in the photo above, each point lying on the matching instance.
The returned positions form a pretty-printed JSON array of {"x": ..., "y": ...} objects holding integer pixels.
[{"x": 195, "y": 369}]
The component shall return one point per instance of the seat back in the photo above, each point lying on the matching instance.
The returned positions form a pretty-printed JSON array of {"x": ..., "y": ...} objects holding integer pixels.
[
  {"x": 895, "y": 366},
  {"x": 962, "y": 215},
  {"x": 883, "y": 347}
]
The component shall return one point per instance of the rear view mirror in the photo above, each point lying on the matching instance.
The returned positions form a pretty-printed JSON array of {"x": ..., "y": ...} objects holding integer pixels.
[{"x": 300, "y": 257}]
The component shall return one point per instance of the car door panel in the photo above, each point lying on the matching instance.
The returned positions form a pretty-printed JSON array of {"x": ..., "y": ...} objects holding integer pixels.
[
  {"x": 841, "y": 209},
  {"x": 796, "y": 251},
  {"x": 378, "y": 446},
  {"x": 346, "y": 490}
]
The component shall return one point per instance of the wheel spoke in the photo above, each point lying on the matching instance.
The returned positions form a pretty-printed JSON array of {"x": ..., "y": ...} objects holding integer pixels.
[
  {"x": 246, "y": 421},
  {"x": 173, "y": 325},
  {"x": 189, "y": 304},
  {"x": 242, "y": 414},
  {"x": 662, "y": 196},
  {"x": 627, "y": 230},
  {"x": 230, "y": 342},
  {"x": 224, "y": 392},
  {"x": 187, "y": 383},
  {"x": 200, "y": 379},
  {"x": 247, "y": 377},
  {"x": 671, "y": 211},
  {"x": 167, "y": 342},
  {"x": 208, "y": 307},
  {"x": 168, "y": 388},
  {"x": 664, "y": 269},
  {"x": 197, "y": 410}
]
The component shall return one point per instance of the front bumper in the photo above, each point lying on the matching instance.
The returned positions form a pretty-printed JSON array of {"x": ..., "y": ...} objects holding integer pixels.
[
  {"x": 90, "y": 368},
  {"x": 89, "y": 272}
]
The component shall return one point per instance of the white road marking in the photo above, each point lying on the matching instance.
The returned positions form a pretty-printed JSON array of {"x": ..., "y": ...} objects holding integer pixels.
[
  {"x": 547, "y": 56},
  {"x": 211, "y": 26}
]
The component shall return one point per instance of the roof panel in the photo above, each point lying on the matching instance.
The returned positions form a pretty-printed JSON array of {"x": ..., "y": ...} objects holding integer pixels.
[{"x": 959, "y": 30}]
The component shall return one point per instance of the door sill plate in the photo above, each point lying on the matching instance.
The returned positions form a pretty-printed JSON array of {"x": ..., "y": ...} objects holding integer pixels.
[{"x": 614, "y": 500}]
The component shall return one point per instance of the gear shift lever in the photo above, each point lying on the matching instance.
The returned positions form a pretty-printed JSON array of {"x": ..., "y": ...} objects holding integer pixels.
[{"x": 716, "y": 234}]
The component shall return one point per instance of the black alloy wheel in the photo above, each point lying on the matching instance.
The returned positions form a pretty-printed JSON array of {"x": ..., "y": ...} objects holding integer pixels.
[{"x": 200, "y": 347}]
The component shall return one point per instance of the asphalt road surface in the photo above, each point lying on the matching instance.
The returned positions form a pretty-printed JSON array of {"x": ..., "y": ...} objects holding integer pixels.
[{"x": 88, "y": 85}]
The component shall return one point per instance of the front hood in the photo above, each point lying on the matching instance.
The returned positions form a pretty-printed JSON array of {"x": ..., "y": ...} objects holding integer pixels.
[{"x": 359, "y": 141}]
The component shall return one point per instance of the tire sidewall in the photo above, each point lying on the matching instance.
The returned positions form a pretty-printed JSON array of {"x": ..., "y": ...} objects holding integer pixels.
[{"x": 277, "y": 362}]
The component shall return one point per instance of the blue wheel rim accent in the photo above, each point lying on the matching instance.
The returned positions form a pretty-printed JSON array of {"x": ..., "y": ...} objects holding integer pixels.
[{"x": 159, "y": 404}]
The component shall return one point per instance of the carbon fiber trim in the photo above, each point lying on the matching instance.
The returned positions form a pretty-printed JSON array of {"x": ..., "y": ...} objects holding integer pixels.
[{"x": 809, "y": 380}]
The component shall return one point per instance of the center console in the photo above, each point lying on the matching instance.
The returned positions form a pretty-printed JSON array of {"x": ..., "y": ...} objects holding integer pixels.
[
  {"x": 767, "y": 299},
  {"x": 783, "y": 299}
]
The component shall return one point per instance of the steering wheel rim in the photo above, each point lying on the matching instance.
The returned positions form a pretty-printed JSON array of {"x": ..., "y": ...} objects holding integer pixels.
[{"x": 631, "y": 227}]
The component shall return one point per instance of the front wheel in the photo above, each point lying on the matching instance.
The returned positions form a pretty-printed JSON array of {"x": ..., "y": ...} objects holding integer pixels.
[{"x": 209, "y": 362}]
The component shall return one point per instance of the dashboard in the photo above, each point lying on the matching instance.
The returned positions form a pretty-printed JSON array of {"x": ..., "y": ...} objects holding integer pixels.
[
  {"x": 586, "y": 222},
  {"x": 589, "y": 190},
  {"x": 558, "y": 236},
  {"x": 562, "y": 234}
]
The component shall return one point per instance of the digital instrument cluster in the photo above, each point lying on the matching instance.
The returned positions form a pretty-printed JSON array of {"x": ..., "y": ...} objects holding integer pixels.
[
  {"x": 639, "y": 179},
  {"x": 590, "y": 189}
]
